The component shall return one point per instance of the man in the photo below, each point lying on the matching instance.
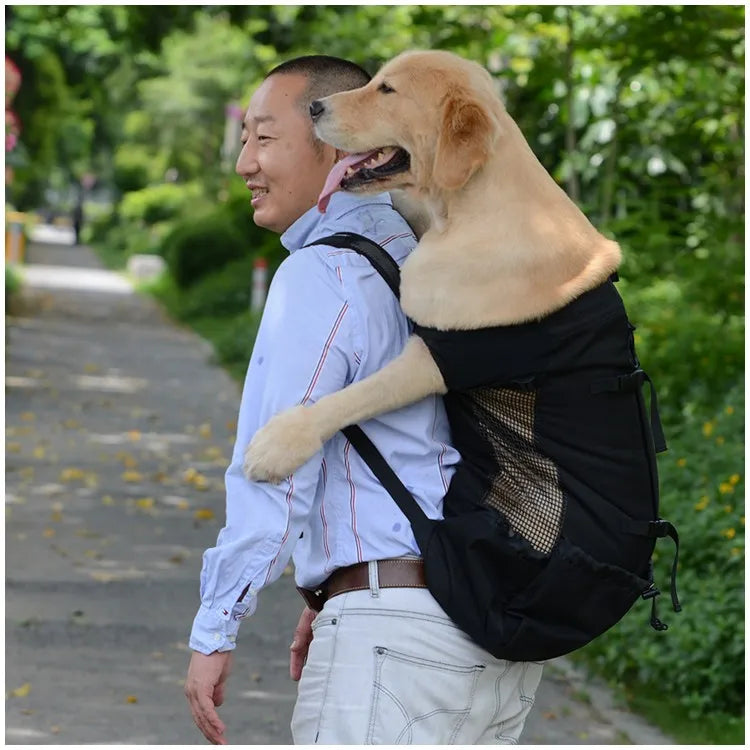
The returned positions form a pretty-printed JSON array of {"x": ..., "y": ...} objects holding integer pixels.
[{"x": 386, "y": 665}]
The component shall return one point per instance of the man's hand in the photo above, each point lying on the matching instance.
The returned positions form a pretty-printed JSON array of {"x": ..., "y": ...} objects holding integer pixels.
[
  {"x": 303, "y": 636},
  {"x": 204, "y": 689}
]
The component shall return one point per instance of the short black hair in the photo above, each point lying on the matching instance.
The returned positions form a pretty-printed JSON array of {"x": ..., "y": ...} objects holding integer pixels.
[{"x": 326, "y": 75}]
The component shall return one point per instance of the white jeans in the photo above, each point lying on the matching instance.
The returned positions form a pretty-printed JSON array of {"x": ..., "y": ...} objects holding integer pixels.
[{"x": 389, "y": 667}]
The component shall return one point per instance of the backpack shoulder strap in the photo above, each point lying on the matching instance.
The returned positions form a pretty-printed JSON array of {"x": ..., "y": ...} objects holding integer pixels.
[
  {"x": 420, "y": 524},
  {"x": 389, "y": 270},
  {"x": 380, "y": 260}
]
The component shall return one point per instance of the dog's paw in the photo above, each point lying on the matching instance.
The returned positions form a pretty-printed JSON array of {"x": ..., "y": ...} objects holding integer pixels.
[{"x": 283, "y": 445}]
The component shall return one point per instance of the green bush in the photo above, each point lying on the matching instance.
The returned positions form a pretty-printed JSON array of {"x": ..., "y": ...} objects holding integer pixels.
[
  {"x": 135, "y": 167},
  {"x": 159, "y": 202},
  {"x": 12, "y": 285},
  {"x": 200, "y": 246},
  {"x": 699, "y": 660},
  {"x": 224, "y": 293}
]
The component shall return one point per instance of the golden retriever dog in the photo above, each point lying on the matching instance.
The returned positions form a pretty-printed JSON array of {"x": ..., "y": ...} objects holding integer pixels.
[{"x": 505, "y": 244}]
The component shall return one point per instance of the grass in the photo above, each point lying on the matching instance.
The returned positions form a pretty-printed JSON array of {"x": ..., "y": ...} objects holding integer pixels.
[{"x": 671, "y": 717}]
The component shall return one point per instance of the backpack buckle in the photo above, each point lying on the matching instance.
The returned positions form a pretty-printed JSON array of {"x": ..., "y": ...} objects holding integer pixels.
[{"x": 650, "y": 592}]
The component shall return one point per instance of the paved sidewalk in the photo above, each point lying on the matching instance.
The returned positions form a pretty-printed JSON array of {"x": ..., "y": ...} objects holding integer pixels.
[{"x": 118, "y": 431}]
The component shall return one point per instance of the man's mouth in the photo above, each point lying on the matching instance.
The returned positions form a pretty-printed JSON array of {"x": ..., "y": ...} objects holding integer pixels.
[
  {"x": 257, "y": 193},
  {"x": 356, "y": 170}
]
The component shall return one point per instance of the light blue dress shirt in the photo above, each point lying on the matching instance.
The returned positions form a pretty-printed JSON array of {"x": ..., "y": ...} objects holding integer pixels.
[{"x": 329, "y": 320}]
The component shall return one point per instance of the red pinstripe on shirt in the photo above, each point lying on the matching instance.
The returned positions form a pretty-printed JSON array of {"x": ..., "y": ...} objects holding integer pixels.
[
  {"x": 352, "y": 500},
  {"x": 289, "y": 494},
  {"x": 324, "y": 353}
]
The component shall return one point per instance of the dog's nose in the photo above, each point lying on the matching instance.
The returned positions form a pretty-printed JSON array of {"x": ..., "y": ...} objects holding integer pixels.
[{"x": 316, "y": 109}]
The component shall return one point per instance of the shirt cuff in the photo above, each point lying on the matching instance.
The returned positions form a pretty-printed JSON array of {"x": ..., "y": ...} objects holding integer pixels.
[{"x": 215, "y": 629}]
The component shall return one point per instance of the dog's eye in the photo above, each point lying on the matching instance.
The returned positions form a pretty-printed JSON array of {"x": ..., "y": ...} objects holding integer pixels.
[{"x": 384, "y": 88}]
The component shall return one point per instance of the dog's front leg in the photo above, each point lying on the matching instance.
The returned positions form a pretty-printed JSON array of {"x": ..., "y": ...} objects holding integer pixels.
[{"x": 295, "y": 435}]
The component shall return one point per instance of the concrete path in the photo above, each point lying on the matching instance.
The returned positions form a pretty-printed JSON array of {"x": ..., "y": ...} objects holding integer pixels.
[{"x": 118, "y": 431}]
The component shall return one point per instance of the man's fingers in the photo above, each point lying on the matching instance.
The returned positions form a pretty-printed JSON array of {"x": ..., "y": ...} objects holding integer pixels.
[
  {"x": 303, "y": 636},
  {"x": 219, "y": 694},
  {"x": 206, "y": 719}
]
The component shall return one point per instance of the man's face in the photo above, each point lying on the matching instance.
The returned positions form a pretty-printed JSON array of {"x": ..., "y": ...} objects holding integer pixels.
[{"x": 279, "y": 161}]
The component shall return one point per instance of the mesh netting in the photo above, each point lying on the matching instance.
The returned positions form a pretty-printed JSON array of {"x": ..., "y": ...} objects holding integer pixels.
[{"x": 525, "y": 488}]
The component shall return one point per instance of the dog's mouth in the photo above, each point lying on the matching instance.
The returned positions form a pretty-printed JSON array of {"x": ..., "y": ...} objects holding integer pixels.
[{"x": 358, "y": 170}]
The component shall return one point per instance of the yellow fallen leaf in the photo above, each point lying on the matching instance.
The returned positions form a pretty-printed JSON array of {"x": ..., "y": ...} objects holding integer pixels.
[
  {"x": 189, "y": 474},
  {"x": 129, "y": 462},
  {"x": 28, "y": 416},
  {"x": 232, "y": 425},
  {"x": 131, "y": 699},
  {"x": 12, "y": 447},
  {"x": 214, "y": 451},
  {"x": 182, "y": 504},
  {"x": 204, "y": 514},
  {"x": 55, "y": 516},
  {"x": 145, "y": 502},
  {"x": 134, "y": 435},
  {"x": 21, "y": 692},
  {"x": 102, "y": 576},
  {"x": 205, "y": 430},
  {"x": 131, "y": 476},
  {"x": 71, "y": 474},
  {"x": 200, "y": 482},
  {"x": 71, "y": 424},
  {"x": 40, "y": 452},
  {"x": 27, "y": 472},
  {"x": 91, "y": 367},
  {"x": 94, "y": 554},
  {"x": 48, "y": 533},
  {"x": 91, "y": 480},
  {"x": 108, "y": 500}
]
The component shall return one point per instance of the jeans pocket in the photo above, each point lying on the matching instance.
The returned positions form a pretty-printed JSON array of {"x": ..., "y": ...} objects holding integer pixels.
[
  {"x": 417, "y": 701},
  {"x": 322, "y": 621}
]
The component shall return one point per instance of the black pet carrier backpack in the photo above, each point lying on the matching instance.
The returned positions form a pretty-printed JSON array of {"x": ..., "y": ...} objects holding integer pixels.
[{"x": 551, "y": 517}]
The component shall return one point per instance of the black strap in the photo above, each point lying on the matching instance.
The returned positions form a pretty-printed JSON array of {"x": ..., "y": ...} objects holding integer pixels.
[
  {"x": 658, "y": 530},
  {"x": 379, "y": 258},
  {"x": 420, "y": 524},
  {"x": 389, "y": 270},
  {"x": 631, "y": 382}
]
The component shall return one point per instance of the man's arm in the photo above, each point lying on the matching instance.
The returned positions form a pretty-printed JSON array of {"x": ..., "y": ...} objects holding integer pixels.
[{"x": 303, "y": 351}]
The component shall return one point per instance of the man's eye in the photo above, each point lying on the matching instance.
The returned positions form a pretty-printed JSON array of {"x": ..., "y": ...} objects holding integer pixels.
[{"x": 264, "y": 137}]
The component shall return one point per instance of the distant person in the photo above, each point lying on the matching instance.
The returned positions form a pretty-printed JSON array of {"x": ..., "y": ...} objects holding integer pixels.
[
  {"x": 386, "y": 665},
  {"x": 78, "y": 218}
]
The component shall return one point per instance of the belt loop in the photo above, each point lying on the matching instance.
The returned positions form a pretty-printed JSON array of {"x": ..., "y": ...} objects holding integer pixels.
[{"x": 372, "y": 569}]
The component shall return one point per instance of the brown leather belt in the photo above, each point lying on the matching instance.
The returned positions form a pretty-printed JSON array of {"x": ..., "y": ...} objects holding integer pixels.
[{"x": 401, "y": 572}]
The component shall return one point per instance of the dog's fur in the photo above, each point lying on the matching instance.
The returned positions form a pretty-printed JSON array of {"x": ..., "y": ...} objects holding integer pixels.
[{"x": 505, "y": 244}]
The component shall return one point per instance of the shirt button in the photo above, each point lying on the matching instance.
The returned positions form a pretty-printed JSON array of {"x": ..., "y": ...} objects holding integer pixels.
[{"x": 217, "y": 637}]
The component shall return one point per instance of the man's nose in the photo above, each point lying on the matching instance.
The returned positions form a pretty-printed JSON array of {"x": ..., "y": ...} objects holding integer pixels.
[
  {"x": 246, "y": 162},
  {"x": 316, "y": 109}
]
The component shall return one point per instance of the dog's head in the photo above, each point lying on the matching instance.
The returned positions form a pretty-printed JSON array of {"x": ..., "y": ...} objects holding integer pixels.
[{"x": 426, "y": 120}]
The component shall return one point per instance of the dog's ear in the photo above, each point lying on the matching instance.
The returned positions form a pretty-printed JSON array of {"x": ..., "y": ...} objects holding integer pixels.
[{"x": 464, "y": 144}]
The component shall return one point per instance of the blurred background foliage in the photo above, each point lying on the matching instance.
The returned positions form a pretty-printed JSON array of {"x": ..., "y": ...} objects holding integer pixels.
[{"x": 638, "y": 111}]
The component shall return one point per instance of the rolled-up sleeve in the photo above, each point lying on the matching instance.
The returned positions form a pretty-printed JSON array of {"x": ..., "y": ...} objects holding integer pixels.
[{"x": 303, "y": 351}]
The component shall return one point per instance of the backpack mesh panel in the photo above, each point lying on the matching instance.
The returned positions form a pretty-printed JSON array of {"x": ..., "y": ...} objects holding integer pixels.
[{"x": 525, "y": 488}]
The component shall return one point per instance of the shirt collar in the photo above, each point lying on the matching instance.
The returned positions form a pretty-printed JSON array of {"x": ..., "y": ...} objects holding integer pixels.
[{"x": 313, "y": 224}]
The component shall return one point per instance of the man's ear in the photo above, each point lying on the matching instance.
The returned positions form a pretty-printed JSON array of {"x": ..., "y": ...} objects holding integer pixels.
[{"x": 466, "y": 137}]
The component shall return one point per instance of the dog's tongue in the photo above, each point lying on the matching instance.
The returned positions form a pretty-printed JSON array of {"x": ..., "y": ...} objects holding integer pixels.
[{"x": 333, "y": 181}]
